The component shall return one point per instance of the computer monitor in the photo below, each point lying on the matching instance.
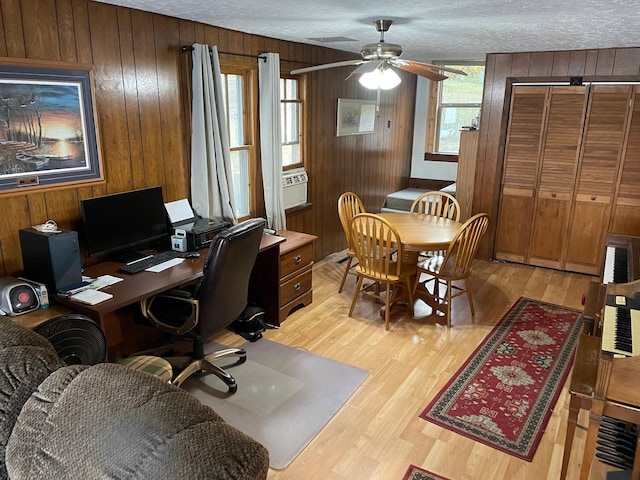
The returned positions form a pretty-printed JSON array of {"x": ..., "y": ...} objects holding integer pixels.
[{"x": 115, "y": 224}]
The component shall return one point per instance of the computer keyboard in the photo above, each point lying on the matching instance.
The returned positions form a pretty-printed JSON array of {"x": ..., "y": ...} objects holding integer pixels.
[{"x": 144, "y": 263}]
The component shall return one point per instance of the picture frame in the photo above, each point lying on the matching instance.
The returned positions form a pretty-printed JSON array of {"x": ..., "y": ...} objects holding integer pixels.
[
  {"x": 356, "y": 117},
  {"x": 48, "y": 126}
]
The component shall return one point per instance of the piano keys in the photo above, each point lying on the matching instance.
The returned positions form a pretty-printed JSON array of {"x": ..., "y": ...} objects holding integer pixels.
[
  {"x": 622, "y": 259},
  {"x": 615, "y": 266},
  {"x": 621, "y": 331},
  {"x": 621, "y": 323}
]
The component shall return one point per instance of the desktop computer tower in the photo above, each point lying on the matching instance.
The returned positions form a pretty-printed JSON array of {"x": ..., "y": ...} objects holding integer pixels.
[{"x": 51, "y": 258}]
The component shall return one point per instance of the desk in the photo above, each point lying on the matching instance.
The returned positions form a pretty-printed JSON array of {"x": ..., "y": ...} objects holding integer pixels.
[
  {"x": 296, "y": 262},
  {"x": 32, "y": 319},
  {"x": 419, "y": 232},
  {"x": 112, "y": 314}
]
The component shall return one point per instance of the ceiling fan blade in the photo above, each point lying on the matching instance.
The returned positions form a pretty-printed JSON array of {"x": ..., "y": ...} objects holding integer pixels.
[
  {"x": 344, "y": 63},
  {"x": 366, "y": 67},
  {"x": 451, "y": 70},
  {"x": 438, "y": 68},
  {"x": 419, "y": 69}
]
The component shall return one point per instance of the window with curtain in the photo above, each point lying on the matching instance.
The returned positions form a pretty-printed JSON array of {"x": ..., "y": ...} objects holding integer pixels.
[
  {"x": 290, "y": 118},
  {"x": 238, "y": 110},
  {"x": 459, "y": 102}
]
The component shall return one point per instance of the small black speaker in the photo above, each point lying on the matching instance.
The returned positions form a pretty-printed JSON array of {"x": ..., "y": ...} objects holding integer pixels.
[{"x": 51, "y": 258}]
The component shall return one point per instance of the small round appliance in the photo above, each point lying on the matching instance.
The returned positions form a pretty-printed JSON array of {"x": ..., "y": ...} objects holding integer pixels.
[{"x": 17, "y": 297}]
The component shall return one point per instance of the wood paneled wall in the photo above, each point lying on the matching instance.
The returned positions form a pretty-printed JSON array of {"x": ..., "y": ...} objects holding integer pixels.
[
  {"x": 142, "y": 108},
  {"x": 372, "y": 166},
  {"x": 504, "y": 69}
]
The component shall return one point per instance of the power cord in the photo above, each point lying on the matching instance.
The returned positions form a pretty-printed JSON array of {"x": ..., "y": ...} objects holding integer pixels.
[{"x": 49, "y": 227}]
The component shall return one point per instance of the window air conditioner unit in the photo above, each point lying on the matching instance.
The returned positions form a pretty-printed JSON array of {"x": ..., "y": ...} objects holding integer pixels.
[{"x": 294, "y": 187}]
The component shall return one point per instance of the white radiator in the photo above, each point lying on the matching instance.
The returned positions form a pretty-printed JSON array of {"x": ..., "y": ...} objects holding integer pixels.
[{"x": 294, "y": 187}]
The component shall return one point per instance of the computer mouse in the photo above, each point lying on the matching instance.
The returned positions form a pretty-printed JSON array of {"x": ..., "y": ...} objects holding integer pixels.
[{"x": 192, "y": 255}]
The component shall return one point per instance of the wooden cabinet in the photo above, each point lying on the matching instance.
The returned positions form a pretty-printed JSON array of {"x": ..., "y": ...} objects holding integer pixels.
[
  {"x": 564, "y": 185},
  {"x": 296, "y": 262},
  {"x": 466, "y": 176}
]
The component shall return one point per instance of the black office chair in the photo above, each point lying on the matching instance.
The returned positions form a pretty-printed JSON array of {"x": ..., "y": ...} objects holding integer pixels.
[{"x": 217, "y": 300}]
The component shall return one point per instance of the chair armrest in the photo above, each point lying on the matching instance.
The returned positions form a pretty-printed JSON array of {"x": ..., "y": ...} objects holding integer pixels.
[
  {"x": 160, "y": 431},
  {"x": 176, "y": 293},
  {"x": 156, "y": 317}
]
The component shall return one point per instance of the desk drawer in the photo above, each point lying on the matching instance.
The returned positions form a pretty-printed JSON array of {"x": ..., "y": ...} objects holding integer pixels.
[
  {"x": 295, "y": 287},
  {"x": 296, "y": 259}
]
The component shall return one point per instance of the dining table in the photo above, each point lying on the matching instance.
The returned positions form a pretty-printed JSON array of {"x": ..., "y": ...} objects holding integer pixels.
[{"x": 420, "y": 232}]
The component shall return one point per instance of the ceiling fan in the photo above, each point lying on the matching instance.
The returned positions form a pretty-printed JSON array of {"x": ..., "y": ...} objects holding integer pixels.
[{"x": 375, "y": 69}]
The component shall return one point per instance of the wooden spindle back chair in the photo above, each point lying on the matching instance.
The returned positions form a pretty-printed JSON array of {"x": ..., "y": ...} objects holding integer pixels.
[
  {"x": 349, "y": 205},
  {"x": 455, "y": 265},
  {"x": 438, "y": 204},
  {"x": 373, "y": 241}
]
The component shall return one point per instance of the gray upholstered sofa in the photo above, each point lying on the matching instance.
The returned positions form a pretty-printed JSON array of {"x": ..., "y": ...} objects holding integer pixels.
[{"x": 108, "y": 422}]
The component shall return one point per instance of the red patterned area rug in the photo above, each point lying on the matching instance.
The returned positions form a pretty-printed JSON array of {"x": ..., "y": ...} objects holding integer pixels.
[
  {"x": 504, "y": 393},
  {"x": 417, "y": 473}
]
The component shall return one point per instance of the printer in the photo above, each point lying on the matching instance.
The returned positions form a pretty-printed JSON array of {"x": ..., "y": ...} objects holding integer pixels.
[{"x": 191, "y": 232}]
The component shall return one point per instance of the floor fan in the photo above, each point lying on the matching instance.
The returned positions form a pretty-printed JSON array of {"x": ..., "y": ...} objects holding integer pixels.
[{"x": 78, "y": 339}]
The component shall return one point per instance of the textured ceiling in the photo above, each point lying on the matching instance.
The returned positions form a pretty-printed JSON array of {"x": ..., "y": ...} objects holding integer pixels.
[{"x": 427, "y": 31}]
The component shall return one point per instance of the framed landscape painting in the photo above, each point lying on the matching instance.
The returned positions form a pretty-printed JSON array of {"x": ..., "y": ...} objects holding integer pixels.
[{"x": 48, "y": 126}]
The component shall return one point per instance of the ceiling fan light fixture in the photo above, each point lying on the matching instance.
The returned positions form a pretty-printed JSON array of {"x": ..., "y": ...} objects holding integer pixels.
[
  {"x": 389, "y": 79},
  {"x": 371, "y": 80},
  {"x": 385, "y": 79}
]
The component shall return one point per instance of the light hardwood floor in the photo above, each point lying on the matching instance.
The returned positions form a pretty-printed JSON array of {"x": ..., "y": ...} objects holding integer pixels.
[{"x": 378, "y": 433}]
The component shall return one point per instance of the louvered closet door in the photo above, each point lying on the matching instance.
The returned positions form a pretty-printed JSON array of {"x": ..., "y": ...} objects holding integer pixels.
[
  {"x": 557, "y": 175},
  {"x": 520, "y": 170},
  {"x": 602, "y": 149},
  {"x": 626, "y": 216}
]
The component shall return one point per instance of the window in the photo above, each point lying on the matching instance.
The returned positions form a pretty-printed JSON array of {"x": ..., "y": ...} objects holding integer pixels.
[
  {"x": 240, "y": 142},
  {"x": 459, "y": 102},
  {"x": 290, "y": 115}
]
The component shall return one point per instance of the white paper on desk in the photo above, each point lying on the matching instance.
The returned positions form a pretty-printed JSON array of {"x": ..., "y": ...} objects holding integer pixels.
[
  {"x": 91, "y": 297},
  {"x": 104, "y": 281},
  {"x": 179, "y": 210},
  {"x": 164, "y": 265}
]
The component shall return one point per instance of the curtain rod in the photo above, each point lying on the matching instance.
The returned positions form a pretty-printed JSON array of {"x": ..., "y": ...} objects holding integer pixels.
[{"x": 189, "y": 48}]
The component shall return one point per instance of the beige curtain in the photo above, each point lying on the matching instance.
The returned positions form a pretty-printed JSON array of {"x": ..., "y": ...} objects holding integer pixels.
[
  {"x": 271, "y": 139},
  {"x": 211, "y": 175}
]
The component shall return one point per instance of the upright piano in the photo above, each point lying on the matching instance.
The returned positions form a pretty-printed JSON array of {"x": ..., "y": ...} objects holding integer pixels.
[{"x": 615, "y": 406}]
